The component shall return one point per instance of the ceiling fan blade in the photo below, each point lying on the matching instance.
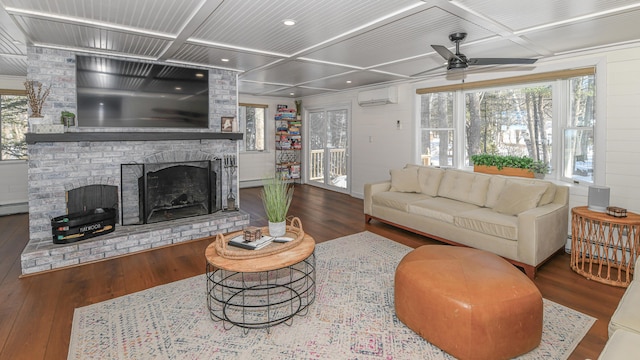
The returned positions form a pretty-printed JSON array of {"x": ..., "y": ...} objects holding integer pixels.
[
  {"x": 428, "y": 71},
  {"x": 500, "y": 61},
  {"x": 444, "y": 52}
]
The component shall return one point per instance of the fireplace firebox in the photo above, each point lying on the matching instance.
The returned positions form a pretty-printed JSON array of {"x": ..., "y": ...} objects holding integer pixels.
[{"x": 158, "y": 192}]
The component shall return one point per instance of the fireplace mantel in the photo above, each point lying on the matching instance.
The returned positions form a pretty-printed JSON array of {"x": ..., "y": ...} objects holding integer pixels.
[{"x": 33, "y": 138}]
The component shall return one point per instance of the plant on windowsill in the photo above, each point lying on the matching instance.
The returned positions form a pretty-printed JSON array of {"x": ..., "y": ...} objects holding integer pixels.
[
  {"x": 503, "y": 165},
  {"x": 539, "y": 169},
  {"x": 276, "y": 197}
]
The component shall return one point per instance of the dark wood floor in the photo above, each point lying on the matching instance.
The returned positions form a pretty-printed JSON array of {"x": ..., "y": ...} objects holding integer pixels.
[{"x": 36, "y": 311}]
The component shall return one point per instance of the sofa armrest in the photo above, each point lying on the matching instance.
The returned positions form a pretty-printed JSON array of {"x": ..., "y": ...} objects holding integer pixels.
[
  {"x": 541, "y": 232},
  {"x": 371, "y": 189}
]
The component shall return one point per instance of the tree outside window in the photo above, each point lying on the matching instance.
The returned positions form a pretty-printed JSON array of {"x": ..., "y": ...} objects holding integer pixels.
[
  {"x": 252, "y": 124},
  {"x": 514, "y": 121},
  {"x": 13, "y": 127}
]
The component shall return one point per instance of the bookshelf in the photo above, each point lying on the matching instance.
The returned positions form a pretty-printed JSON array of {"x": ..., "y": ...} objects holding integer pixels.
[{"x": 288, "y": 144}]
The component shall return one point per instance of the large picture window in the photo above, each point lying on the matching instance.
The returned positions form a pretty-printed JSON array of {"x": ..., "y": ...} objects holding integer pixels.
[
  {"x": 252, "y": 123},
  {"x": 13, "y": 126},
  {"x": 548, "y": 117}
]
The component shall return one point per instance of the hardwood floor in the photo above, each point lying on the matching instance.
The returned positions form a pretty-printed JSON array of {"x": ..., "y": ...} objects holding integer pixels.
[{"x": 36, "y": 311}]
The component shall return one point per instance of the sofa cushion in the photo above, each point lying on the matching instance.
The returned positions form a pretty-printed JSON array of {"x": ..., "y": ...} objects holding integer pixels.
[
  {"x": 622, "y": 345},
  {"x": 397, "y": 200},
  {"x": 489, "y": 222},
  {"x": 405, "y": 180},
  {"x": 465, "y": 186},
  {"x": 627, "y": 316},
  {"x": 517, "y": 197},
  {"x": 497, "y": 182},
  {"x": 429, "y": 178},
  {"x": 440, "y": 208}
]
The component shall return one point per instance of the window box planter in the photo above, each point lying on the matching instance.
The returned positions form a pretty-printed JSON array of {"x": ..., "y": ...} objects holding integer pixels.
[{"x": 508, "y": 171}]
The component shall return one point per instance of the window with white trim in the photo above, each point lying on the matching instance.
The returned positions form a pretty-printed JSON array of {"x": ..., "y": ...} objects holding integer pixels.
[
  {"x": 252, "y": 124},
  {"x": 548, "y": 117}
]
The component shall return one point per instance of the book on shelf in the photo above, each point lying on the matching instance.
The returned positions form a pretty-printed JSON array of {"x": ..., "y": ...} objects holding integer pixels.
[{"x": 239, "y": 241}]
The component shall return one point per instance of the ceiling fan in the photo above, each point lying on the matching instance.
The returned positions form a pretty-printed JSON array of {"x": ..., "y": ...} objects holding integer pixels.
[{"x": 460, "y": 61}]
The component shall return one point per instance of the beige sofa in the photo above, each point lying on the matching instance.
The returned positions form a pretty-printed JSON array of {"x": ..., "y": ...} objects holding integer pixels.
[
  {"x": 523, "y": 220},
  {"x": 624, "y": 327}
]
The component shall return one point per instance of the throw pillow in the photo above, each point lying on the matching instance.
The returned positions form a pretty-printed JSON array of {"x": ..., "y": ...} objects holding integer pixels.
[
  {"x": 517, "y": 197},
  {"x": 405, "y": 180}
]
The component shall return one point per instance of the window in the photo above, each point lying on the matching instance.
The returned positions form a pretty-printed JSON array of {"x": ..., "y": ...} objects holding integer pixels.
[
  {"x": 13, "y": 126},
  {"x": 514, "y": 121},
  {"x": 252, "y": 123},
  {"x": 436, "y": 129},
  {"x": 523, "y": 116},
  {"x": 578, "y": 130}
]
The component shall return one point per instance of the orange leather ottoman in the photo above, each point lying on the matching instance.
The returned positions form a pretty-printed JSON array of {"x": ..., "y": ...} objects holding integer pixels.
[{"x": 470, "y": 303}]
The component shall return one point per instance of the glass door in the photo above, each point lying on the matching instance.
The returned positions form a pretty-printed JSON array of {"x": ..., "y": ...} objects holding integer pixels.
[{"x": 328, "y": 164}]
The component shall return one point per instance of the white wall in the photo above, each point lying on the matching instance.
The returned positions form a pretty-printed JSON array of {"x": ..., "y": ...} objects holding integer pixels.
[
  {"x": 393, "y": 148},
  {"x": 254, "y": 166},
  {"x": 13, "y": 174}
]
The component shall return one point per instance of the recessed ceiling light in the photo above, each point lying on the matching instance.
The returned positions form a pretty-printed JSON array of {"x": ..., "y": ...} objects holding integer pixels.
[
  {"x": 289, "y": 22},
  {"x": 178, "y": 88},
  {"x": 348, "y": 81},
  {"x": 224, "y": 60},
  {"x": 292, "y": 94},
  {"x": 199, "y": 75}
]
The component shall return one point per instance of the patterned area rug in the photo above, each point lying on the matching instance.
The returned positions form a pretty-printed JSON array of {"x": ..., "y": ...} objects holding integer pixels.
[{"x": 351, "y": 318}]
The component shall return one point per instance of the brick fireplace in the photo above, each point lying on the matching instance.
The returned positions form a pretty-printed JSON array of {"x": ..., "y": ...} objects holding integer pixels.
[
  {"x": 55, "y": 168},
  {"x": 60, "y": 163}
]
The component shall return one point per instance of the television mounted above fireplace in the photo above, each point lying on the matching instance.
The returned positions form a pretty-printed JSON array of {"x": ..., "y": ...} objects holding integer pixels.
[{"x": 124, "y": 94}]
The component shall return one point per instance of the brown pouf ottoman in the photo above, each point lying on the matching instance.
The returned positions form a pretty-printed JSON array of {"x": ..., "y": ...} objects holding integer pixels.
[{"x": 470, "y": 303}]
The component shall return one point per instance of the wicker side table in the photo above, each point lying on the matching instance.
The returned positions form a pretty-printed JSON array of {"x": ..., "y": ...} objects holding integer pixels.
[{"x": 603, "y": 247}]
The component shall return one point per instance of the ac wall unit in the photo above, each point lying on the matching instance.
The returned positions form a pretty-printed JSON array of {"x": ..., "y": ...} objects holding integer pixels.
[{"x": 388, "y": 95}]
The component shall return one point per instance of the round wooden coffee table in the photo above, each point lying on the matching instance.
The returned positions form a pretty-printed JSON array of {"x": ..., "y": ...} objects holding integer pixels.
[{"x": 264, "y": 291}]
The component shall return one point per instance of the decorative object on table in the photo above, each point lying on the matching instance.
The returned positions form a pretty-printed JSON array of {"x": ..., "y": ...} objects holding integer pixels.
[
  {"x": 230, "y": 166},
  {"x": 68, "y": 118},
  {"x": 36, "y": 96},
  {"x": 252, "y": 233},
  {"x": 502, "y": 165},
  {"x": 616, "y": 211},
  {"x": 267, "y": 245},
  {"x": 228, "y": 124},
  {"x": 276, "y": 197},
  {"x": 598, "y": 198}
]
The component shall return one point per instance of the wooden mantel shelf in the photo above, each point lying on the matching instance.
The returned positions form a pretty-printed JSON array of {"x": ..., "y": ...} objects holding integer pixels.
[{"x": 33, "y": 138}]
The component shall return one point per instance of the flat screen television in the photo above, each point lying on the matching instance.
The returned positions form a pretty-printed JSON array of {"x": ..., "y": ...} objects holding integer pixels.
[{"x": 125, "y": 94}]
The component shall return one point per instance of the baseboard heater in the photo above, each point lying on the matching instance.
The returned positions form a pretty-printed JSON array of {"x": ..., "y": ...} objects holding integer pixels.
[{"x": 83, "y": 225}]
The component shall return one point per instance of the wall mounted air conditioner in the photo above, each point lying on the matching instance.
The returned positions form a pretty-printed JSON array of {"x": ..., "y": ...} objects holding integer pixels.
[{"x": 388, "y": 95}]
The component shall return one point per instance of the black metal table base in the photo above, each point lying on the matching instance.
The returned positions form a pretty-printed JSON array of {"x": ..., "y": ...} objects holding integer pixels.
[{"x": 260, "y": 300}]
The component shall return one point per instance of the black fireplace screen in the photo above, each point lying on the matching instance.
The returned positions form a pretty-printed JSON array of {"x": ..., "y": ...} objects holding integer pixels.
[{"x": 166, "y": 191}]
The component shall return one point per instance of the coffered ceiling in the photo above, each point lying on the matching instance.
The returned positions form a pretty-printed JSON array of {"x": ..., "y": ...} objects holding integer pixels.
[{"x": 334, "y": 45}]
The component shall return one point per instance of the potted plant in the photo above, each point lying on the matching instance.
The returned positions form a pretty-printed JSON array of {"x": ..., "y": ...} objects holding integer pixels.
[
  {"x": 539, "y": 168},
  {"x": 68, "y": 118},
  {"x": 36, "y": 97},
  {"x": 502, "y": 164},
  {"x": 276, "y": 197}
]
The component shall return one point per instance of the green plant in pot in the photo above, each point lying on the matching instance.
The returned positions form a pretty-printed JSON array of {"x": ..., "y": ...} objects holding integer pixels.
[
  {"x": 276, "y": 197},
  {"x": 539, "y": 168},
  {"x": 68, "y": 118}
]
